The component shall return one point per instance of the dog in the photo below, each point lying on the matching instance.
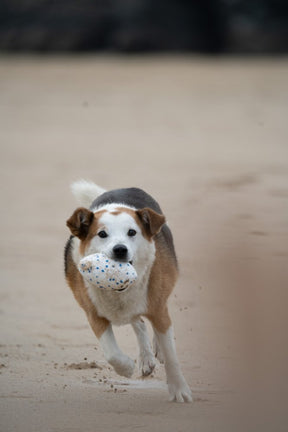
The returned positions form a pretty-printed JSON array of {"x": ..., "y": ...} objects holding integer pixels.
[{"x": 127, "y": 225}]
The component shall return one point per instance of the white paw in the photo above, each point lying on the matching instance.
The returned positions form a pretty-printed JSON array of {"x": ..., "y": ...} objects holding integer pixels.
[
  {"x": 146, "y": 363},
  {"x": 157, "y": 351},
  {"x": 123, "y": 365},
  {"x": 180, "y": 391}
]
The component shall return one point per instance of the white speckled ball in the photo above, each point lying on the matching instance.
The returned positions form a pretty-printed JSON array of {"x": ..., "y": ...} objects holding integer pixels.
[{"x": 107, "y": 274}]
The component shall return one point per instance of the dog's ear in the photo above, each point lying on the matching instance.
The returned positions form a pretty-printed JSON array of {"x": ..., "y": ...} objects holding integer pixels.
[
  {"x": 80, "y": 222},
  {"x": 151, "y": 221}
]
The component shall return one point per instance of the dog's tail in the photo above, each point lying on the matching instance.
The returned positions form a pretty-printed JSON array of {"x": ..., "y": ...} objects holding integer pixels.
[{"x": 86, "y": 192}]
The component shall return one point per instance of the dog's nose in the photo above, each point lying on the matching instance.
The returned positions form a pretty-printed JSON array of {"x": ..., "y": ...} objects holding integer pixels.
[{"x": 120, "y": 251}]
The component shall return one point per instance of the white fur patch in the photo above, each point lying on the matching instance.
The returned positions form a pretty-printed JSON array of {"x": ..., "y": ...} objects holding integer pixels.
[
  {"x": 146, "y": 357},
  {"x": 86, "y": 192},
  {"x": 116, "y": 228},
  {"x": 122, "y": 364},
  {"x": 112, "y": 207},
  {"x": 178, "y": 388}
]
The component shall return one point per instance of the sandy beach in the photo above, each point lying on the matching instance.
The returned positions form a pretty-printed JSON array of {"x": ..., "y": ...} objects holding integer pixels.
[{"x": 208, "y": 138}]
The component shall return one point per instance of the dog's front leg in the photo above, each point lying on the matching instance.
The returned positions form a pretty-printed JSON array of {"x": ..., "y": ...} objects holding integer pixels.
[
  {"x": 178, "y": 388},
  {"x": 102, "y": 328},
  {"x": 122, "y": 364},
  {"x": 146, "y": 357}
]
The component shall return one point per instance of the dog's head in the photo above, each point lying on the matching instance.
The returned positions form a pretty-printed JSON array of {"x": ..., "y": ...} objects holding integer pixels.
[{"x": 123, "y": 234}]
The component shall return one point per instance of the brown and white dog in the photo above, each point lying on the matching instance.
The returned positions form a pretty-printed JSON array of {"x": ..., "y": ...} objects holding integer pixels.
[{"x": 127, "y": 225}]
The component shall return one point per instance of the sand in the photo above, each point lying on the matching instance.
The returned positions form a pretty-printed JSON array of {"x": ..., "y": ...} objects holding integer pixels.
[{"x": 206, "y": 137}]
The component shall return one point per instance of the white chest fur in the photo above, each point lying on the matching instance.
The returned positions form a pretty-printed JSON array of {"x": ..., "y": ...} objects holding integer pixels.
[{"x": 120, "y": 308}]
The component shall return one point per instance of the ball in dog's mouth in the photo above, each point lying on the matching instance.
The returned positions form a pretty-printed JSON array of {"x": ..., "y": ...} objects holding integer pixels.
[{"x": 107, "y": 274}]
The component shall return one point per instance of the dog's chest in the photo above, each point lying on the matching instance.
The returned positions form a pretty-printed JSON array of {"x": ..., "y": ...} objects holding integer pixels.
[{"x": 120, "y": 308}]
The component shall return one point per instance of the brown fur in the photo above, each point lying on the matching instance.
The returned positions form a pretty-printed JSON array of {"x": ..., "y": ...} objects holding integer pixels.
[
  {"x": 80, "y": 221},
  {"x": 163, "y": 277},
  {"x": 150, "y": 221}
]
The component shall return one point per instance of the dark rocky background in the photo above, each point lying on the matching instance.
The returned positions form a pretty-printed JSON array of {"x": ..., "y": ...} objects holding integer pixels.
[{"x": 206, "y": 26}]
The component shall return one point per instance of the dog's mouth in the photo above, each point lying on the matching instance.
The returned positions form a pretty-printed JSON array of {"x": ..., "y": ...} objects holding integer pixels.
[
  {"x": 125, "y": 285},
  {"x": 122, "y": 289},
  {"x": 124, "y": 261}
]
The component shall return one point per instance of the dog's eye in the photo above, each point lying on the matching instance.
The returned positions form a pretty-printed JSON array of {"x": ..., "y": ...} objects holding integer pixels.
[
  {"x": 131, "y": 233},
  {"x": 102, "y": 234}
]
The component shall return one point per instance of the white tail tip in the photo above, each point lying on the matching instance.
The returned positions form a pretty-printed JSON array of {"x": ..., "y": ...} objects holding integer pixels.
[{"x": 86, "y": 192}]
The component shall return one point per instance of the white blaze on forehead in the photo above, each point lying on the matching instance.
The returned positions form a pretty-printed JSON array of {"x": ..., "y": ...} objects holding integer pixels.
[
  {"x": 117, "y": 222},
  {"x": 112, "y": 207}
]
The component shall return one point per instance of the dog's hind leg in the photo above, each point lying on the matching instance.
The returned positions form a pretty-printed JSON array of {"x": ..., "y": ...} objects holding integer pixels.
[
  {"x": 157, "y": 349},
  {"x": 146, "y": 357}
]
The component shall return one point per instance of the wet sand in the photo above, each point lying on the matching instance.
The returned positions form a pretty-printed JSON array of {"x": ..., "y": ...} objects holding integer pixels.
[{"x": 208, "y": 139}]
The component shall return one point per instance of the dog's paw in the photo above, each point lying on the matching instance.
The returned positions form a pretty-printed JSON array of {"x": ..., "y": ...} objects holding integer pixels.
[
  {"x": 146, "y": 363},
  {"x": 123, "y": 365},
  {"x": 157, "y": 351},
  {"x": 179, "y": 391}
]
